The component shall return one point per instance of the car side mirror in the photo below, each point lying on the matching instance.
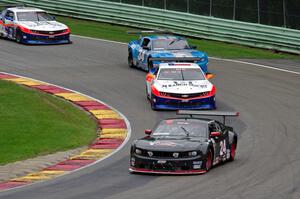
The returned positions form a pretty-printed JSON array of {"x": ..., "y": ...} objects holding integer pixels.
[
  {"x": 193, "y": 47},
  {"x": 150, "y": 77},
  {"x": 215, "y": 134},
  {"x": 209, "y": 76},
  {"x": 53, "y": 17},
  {"x": 148, "y": 131}
]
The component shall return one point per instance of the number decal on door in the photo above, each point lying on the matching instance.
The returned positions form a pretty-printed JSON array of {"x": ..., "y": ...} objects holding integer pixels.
[
  {"x": 223, "y": 149},
  {"x": 141, "y": 55}
]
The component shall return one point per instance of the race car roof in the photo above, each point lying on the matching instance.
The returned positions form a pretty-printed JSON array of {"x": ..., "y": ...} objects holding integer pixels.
[
  {"x": 178, "y": 65},
  {"x": 25, "y": 9}
]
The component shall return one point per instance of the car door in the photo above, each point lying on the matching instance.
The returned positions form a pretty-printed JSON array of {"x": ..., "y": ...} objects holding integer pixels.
[
  {"x": 219, "y": 142},
  {"x": 144, "y": 47},
  {"x": 9, "y": 25}
]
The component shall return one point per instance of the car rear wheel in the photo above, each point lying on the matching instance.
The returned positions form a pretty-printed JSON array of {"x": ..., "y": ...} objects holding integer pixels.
[
  {"x": 209, "y": 160},
  {"x": 232, "y": 151},
  {"x": 130, "y": 59},
  {"x": 149, "y": 65}
]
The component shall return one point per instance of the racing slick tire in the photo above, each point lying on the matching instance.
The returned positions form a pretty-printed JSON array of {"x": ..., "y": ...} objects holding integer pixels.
[
  {"x": 149, "y": 65},
  {"x": 209, "y": 160},
  {"x": 152, "y": 103},
  {"x": 232, "y": 151},
  {"x": 147, "y": 95},
  {"x": 130, "y": 60},
  {"x": 19, "y": 36}
]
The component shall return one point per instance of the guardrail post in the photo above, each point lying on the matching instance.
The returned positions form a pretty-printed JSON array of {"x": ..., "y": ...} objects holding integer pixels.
[
  {"x": 165, "y": 4},
  {"x": 188, "y": 6},
  {"x": 258, "y": 11},
  {"x": 234, "y": 7},
  {"x": 284, "y": 13},
  {"x": 210, "y": 8}
]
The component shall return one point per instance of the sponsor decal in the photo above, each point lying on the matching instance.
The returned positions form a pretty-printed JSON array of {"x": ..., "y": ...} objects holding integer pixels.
[
  {"x": 163, "y": 143},
  {"x": 184, "y": 84},
  {"x": 175, "y": 155}
]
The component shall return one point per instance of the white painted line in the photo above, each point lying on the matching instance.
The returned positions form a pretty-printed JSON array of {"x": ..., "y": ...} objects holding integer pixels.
[
  {"x": 215, "y": 58},
  {"x": 254, "y": 64},
  {"x": 105, "y": 40},
  {"x": 70, "y": 172}
]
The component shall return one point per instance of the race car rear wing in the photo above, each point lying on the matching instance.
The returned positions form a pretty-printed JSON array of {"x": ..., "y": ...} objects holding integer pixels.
[
  {"x": 224, "y": 114},
  {"x": 176, "y": 59},
  {"x": 141, "y": 32}
]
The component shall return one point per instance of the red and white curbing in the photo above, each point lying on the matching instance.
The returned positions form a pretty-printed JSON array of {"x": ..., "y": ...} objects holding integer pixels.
[{"x": 114, "y": 132}]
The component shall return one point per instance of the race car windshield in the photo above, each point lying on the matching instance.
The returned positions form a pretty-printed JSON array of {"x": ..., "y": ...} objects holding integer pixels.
[
  {"x": 182, "y": 128},
  {"x": 180, "y": 74},
  {"x": 170, "y": 44},
  {"x": 34, "y": 16}
]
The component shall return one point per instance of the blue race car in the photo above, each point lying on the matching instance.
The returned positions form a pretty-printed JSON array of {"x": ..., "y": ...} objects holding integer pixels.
[{"x": 150, "y": 51}]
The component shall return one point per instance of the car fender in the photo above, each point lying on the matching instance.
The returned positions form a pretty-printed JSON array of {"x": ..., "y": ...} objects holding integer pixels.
[
  {"x": 232, "y": 136},
  {"x": 133, "y": 46}
]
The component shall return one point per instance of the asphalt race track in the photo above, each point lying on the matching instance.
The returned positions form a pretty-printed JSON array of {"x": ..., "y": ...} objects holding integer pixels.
[{"x": 268, "y": 154}]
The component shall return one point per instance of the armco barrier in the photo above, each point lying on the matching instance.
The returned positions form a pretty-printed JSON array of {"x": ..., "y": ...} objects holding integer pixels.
[{"x": 256, "y": 35}]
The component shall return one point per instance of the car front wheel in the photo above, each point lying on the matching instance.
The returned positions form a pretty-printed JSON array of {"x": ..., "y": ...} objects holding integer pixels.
[
  {"x": 209, "y": 160},
  {"x": 232, "y": 151},
  {"x": 19, "y": 36}
]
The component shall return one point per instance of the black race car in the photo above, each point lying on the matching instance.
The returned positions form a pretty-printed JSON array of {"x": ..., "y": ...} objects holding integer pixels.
[{"x": 187, "y": 145}]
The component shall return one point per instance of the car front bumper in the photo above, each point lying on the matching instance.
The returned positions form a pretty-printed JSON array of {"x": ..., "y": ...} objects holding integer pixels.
[
  {"x": 182, "y": 166},
  {"x": 41, "y": 39},
  {"x": 175, "y": 104}
]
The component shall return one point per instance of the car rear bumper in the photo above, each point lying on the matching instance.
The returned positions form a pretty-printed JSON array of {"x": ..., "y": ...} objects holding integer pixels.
[
  {"x": 175, "y": 104},
  {"x": 47, "y": 39}
]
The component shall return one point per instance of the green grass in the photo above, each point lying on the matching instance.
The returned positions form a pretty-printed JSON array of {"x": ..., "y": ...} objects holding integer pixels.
[
  {"x": 35, "y": 123},
  {"x": 213, "y": 48}
]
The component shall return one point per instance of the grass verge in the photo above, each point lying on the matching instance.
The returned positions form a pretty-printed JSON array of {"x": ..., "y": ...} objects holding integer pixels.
[
  {"x": 212, "y": 48},
  {"x": 35, "y": 123}
]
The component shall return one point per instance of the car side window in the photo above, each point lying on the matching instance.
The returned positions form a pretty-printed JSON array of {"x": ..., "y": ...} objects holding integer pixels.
[
  {"x": 214, "y": 127},
  {"x": 146, "y": 42},
  {"x": 218, "y": 127},
  {"x": 222, "y": 127},
  {"x": 156, "y": 71},
  {"x": 9, "y": 15}
]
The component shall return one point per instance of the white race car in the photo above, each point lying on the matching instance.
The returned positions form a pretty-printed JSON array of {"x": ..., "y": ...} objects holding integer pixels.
[
  {"x": 32, "y": 26},
  {"x": 180, "y": 86}
]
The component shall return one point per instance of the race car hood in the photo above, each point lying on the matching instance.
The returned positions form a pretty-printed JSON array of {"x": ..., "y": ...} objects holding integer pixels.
[
  {"x": 185, "y": 144},
  {"x": 177, "y": 53},
  {"x": 43, "y": 25},
  {"x": 182, "y": 87}
]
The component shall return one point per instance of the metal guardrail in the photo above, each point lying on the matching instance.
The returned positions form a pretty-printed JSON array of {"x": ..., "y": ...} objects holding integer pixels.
[{"x": 255, "y": 35}]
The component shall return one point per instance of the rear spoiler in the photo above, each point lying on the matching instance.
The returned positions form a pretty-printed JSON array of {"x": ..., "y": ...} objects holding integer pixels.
[
  {"x": 176, "y": 59},
  {"x": 144, "y": 32},
  {"x": 12, "y": 5},
  {"x": 141, "y": 32},
  {"x": 224, "y": 114}
]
